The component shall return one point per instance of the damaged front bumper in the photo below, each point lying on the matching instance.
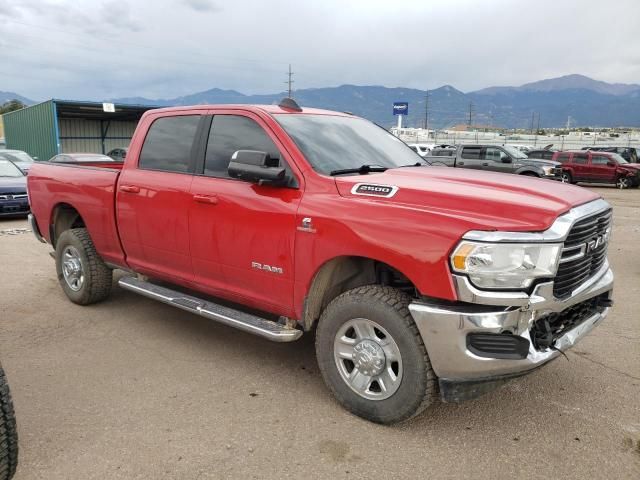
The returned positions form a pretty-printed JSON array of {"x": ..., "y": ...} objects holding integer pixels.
[{"x": 476, "y": 346}]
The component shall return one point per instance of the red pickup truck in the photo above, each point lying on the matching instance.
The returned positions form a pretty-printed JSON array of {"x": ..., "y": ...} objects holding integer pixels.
[{"x": 418, "y": 282}]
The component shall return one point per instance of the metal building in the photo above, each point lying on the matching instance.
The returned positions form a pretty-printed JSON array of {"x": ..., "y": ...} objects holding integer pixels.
[{"x": 66, "y": 126}]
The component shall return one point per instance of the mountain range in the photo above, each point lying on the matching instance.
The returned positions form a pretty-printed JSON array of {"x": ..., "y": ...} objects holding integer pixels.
[{"x": 586, "y": 101}]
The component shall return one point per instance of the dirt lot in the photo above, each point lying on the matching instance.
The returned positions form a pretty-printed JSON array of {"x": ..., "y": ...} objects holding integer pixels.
[{"x": 132, "y": 389}]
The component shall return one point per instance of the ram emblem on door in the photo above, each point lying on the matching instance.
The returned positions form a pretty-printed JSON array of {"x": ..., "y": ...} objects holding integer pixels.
[{"x": 266, "y": 268}]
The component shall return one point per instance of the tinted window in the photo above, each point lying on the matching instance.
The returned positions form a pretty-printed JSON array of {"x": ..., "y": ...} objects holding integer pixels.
[
  {"x": 580, "y": 158},
  {"x": 168, "y": 144},
  {"x": 494, "y": 154},
  {"x": 472, "y": 153},
  {"x": 230, "y": 133},
  {"x": 563, "y": 157},
  {"x": 598, "y": 160}
]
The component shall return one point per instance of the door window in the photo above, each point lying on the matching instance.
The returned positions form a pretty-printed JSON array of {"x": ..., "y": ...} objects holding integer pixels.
[
  {"x": 494, "y": 154},
  {"x": 599, "y": 160},
  {"x": 580, "y": 159},
  {"x": 230, "y": 133},
  {"x": 168, "y": 144},
  {"x": 471, "y": 153}
]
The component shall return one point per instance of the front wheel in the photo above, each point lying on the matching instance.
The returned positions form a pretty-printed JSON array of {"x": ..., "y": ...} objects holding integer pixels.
[
  {"x": 8, "y": 432},
  {"x": 372, "y": 356},
  {"x": 622, "y": 183}
]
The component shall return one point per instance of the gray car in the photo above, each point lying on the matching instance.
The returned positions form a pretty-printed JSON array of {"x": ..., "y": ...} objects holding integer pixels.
[
  {"x": 497, "y": 158},
  {"x": 19, "y": 158}
]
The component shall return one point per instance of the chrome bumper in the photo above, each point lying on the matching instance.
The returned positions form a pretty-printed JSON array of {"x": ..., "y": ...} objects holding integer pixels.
[
  {"x": 33, "y": 225},
  {"x": 444, "y": 329}
]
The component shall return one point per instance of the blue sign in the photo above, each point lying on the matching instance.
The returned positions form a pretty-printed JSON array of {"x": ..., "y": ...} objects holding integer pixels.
[{"x": 401, "y": 108}]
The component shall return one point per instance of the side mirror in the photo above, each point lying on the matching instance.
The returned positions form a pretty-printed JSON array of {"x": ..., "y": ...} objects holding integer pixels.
[
  {"x": 506, "y": 160},
  {"x": 256, "y": 167}
]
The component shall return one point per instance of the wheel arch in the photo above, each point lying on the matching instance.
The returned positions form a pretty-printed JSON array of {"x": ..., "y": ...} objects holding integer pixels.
[
  {"x": 343, "y": 273},
  {"x": 64, "y": 216}
]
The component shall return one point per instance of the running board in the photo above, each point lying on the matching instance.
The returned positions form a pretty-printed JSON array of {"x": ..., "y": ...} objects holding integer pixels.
[{"x": 242, "y": 321}]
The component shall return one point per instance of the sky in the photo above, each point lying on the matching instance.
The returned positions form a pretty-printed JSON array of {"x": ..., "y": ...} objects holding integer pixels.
[{"x": 104, "y": 49}]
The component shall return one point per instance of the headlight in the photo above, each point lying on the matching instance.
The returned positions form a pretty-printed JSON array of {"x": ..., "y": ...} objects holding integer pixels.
[
  {"x": 505, "y": 265},
  {"x": 548, "y": 170}
]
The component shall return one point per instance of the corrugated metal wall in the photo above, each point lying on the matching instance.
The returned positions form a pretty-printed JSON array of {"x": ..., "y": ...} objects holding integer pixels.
[
  {"x": 85, "y": 136},
  {"x": 32, "y": 129}
]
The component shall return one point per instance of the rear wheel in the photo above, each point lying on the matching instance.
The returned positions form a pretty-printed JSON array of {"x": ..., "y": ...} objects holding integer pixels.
[
  {"x": 372, "y": 356},
  {"x": 83, "y": 275},
  {"x": 8, "y": 432}
]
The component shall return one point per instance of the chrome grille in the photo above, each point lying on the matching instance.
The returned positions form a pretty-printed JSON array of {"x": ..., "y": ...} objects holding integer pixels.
[{"x": 584, "y": 252}]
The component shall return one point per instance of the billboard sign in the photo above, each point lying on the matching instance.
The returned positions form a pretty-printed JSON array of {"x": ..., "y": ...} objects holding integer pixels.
[{"x": 401, "y": 108}]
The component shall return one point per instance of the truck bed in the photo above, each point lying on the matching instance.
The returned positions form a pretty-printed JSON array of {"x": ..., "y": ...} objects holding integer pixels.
[{"x": 90, "y": 188}]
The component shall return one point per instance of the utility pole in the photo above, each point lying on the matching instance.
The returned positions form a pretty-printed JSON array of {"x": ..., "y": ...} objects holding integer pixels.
[
  {"x": 290, "y": 81},
  {"x": 470, "y": 112},
  {"x": 535, "y": 142},
  {"x": 533, "y": 114},
  {"x": 426, "y": 113}
]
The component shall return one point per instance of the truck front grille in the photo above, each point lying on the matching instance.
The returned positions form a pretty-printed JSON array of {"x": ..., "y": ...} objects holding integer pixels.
[{"x": 584, "y": 252}]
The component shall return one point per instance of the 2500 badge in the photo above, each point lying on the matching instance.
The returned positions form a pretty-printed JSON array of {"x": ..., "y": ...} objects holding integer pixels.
[{"x": 373, "y": 190}]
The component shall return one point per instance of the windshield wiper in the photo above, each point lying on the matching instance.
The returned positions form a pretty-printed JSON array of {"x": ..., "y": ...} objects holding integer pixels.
[
  {"x": 362, "y": 169},
  {"x": 417, "y": 164}
]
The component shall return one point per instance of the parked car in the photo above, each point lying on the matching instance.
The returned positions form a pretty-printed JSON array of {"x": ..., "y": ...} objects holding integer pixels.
[
  {"x": 443, "y": 151},
  {"x": 8, "y": 431},
  {"x": 418, "y": 281},
  {"x": 597, "y": 167},
  {"x": 545, "y": 153},
  {"x": 498, "y": 158},
  {"x": 14, "y": 200},
  {"x": 21, "y": 159},
  {"x": 118, "y": 154}
]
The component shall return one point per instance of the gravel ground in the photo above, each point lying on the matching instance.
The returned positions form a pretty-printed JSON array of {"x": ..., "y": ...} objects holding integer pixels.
[{"x": 132, "y": 389}]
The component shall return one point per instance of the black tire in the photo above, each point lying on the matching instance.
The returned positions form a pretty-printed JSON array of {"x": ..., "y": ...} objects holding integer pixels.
[
  {"x": 567, "y": 178},
  {"x": 96, "y": 285},
  {"x": 387, "y": 307},
  {"x": 8, "y": 432},
  {"x": 530, "y": 174},
  {"x": 623, "y": 183}
]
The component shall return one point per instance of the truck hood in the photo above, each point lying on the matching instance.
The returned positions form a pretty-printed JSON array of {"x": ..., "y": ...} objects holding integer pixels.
[
  {"x": 13, "y": 184},
  {"x": 631, "y": 166},
  {"x": 490, "y": 201},
  {"x": 539, "y": 161}
]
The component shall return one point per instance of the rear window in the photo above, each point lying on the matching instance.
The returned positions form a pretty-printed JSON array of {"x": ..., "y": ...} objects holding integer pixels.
[
  {"x": 471, "y": 153},
  {"x": 167, "y": 146}
]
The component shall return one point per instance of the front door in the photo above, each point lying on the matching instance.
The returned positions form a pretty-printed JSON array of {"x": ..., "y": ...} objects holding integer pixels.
[
  {"x": 497, "y": 160},
  {"x": 580, "y": 162},
  {"x": 600, "y": 169},
  {"x": 242, "y": 234},
  {"x": 154, "y": 196}
]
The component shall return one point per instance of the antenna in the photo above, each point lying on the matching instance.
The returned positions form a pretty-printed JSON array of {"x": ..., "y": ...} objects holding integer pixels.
[{"x": 290, "y": 82}]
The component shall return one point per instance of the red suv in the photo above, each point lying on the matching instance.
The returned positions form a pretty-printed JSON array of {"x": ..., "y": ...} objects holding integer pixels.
[{"x": 597, "y": 167}]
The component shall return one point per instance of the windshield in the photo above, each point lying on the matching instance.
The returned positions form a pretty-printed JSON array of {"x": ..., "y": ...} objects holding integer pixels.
[
  {"x": 16, "y": 156},
  {"x": 332, "y": 143},
  {"x": 514, "y": 152},
  {"x": 8, "y": 169},
  {"x": 618, "y": 158}
]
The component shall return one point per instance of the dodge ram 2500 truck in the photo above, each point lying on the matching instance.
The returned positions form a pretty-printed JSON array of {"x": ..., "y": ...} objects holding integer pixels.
[{"x": 419, "y": 282}]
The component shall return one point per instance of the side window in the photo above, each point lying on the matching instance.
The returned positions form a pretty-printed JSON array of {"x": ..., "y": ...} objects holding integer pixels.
[
  {"x": 230, "y": 133},
  {"x": 494, "y": 154},
  {"x": 471, "y": 153},
  {"x": 580, "y": 158},
  {"x": 599, "y": 160},
  {"x": 563, "y": 157},
  {"x": 167, "y": 146}
]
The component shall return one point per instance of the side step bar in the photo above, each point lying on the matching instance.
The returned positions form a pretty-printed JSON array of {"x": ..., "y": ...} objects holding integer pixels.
[{"x": 242, "y": 321}]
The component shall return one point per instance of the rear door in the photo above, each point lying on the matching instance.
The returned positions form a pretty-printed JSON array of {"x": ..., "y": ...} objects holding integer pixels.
[
  {"x": 470, "y": 157},
  {"x": 600, "y": 169},
  {"x": 154, "y": 197},
  {"x": 242, "y": 234},
  {"x": 580, "y": 163}
]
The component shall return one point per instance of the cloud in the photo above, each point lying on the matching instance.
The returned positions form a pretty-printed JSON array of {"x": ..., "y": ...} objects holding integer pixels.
[{"x": 202, "y": 5}]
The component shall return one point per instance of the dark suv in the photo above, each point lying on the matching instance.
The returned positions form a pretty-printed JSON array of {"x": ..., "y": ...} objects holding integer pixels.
[{"x": 598, "y": 167}]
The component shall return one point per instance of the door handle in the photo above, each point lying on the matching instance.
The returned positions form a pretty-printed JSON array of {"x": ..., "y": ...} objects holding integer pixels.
[
  {"x": 208, "y": 199},
  {"x": 129, "y": 189},
  {"x": 485, "y": 164},
  {"x": 460, "y": 163}
]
